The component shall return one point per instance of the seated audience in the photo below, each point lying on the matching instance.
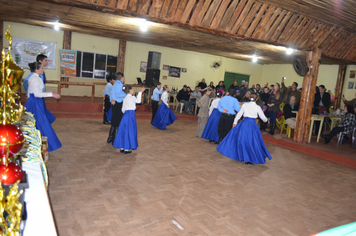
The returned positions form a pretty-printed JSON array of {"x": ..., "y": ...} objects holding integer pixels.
[
  {"x": 202, "y": 84},
  {"x": 238, "y": 96},
  {"x": 322, "y": 100},
  {"x": 291, "y": 91},
  {"x": 234, "y": 85},
  {"x": 346, "y": 125},
  {"x": 211, "y": 85},
  {"x": 288, "y": 109},
  {"x": 221, "y": 87},
  {"x": 183, "y": 97},
  {"x": 244, "y": 88},
  {"x": 258, "y": 89},
  {"x": 194, "y": 95},
  {"x": 253, "y": 89},
  {"x": 246, "y": 98}
]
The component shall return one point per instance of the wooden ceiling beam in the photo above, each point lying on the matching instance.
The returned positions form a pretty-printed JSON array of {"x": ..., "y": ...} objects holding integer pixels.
[
  {"x": 132, "y": 5},
  {"x": 219, "y": 14},
  {"x": 269, "y": 23},
  {"x": 286, "y": 31},
  {"x": 249, "y": 18},
  {"x": 256, "y": 20},
  {"x": 200, "y": 13},
  {"x": 208, "y": 18},
  {"x": 228, "y": 14},
  {"x": 187, "y": 11},
  {"x": 309, "y": 31},
  {"x": 235, "y": 15},
  {"x": 242, "y": 16},
  {"x": 314, "y": 38},
  {"x": 280, "y": 27},
  {"x": 275, "y": 25},
  {"x": 263, "y": 22},
  {"x": 295, "y": 33},
  {"x": 156, "y": 8},
  {"x": 181, "y": 6},
  {"x": 165, "y": 8}
]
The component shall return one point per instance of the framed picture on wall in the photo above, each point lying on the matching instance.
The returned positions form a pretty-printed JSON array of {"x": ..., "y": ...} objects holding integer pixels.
[
  {"x": 352, "y": 74},
  {"x": 165, "y": 77},
  {"x": 174, "y": 72},
  {"x": 143, "y": 66},
  {"x": 350, "y": 85},
  {"x": 165, "y": 67},
  {"x": 184, "y": 70}
]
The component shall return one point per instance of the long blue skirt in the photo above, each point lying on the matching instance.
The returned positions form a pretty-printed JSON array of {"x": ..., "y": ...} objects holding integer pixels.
[
  {"x": 109, "y": 114},
  {"x": 211, "y": 128},
  {"x": 44, "y": 118},
  {"x": 245, "y": 143},
  {"x": 163, "y": 117},
  {"x": 126, "y": 137}
]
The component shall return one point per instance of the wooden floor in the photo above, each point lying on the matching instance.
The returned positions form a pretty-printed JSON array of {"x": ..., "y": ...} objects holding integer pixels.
[{"x": 178, "y": 184}]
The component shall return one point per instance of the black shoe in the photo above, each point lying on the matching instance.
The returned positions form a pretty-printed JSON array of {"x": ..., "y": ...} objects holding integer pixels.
[
  {"x": 122, "y": 150},
  {"x": 273, "y": 126},
  {"x": 106, "y": 123},
  {"x": 127, "y": 152},
  {"x": 210, "y": 141},
  {"x": 326, "y": 140},
  {"x": 216, "y": 142},
  {"x": 248, "y": 163}
]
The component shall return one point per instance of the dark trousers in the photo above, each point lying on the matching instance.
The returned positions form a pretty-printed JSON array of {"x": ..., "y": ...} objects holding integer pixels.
[
  {"x": 272, "y": 117},
  {"x": 334, "y": 132},
  {"x": 107, "y": 105},
  {"x": 116, "y": 114},
  {"x": 154, "y": 109},
  {"x": 225, "y": 125}
]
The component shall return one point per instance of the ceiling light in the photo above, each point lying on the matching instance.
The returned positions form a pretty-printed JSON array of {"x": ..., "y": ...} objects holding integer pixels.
[
  {"x": 143, "y": 26},
  {"x": 289, "y": 51},
  {"x": 56, "y": 26},
  {"x": 254, "y": 58}
]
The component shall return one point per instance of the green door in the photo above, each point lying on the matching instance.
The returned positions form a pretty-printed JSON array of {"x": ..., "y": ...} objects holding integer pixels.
[{"x": 230, "y": 77}]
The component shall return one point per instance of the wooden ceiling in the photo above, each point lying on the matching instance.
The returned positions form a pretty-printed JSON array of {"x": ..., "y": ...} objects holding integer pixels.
[{"x": 230, "y": 28}]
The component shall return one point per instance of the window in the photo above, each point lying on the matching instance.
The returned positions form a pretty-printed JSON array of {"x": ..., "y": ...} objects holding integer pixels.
[{"x": 95, "y": 65}]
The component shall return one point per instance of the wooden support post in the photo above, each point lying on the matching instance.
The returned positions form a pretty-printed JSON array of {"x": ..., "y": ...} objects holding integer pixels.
[
  {"x": 1, "y": 34},
  {"x": 59, "y": 88},
  {"x": 339, "y": 86},
  {"x": 121, "y": 56},
  {"x": 307, "y": 97},
  {"x": 67, "y": 44}
]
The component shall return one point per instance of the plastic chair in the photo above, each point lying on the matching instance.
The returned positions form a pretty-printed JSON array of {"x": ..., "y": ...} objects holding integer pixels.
[
  {"x": 285, "y": 126},
  {"x": 181, "y": 106},
  {"x": 341, "y": 137}
]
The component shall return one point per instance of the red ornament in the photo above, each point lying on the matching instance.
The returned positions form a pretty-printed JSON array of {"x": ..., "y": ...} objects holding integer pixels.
[
  {"x": 11, "y": 136},
  {"x": 11, "y": 173}
]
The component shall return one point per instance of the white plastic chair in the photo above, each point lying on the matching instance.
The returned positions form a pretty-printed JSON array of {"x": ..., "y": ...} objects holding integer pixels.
[{"x": 181, "y": 106}]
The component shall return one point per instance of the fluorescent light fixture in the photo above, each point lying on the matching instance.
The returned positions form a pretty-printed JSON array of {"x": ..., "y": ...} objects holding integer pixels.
[
  {"x": 289, "y": 51},
  {"x": 56, "y": 26},
  {"x": 254, "y": 58}
]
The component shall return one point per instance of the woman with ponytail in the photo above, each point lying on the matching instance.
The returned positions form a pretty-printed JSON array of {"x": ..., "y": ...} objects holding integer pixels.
[{"x": 36, "y": 105}]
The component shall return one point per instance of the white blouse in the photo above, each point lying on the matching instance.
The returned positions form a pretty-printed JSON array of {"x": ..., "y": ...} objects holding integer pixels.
[
  {"x": 214, "y": 105},
  {"x": 164, "y": 97},
  {"x": 130, "y": 101},
  {"x": 35, "y": 86},
  {"x": 251, "y": 110}
]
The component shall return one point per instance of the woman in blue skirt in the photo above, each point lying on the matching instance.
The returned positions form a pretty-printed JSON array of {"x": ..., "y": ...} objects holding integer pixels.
[
  {"x": 244, "y": 141},
  {"x": 126, "y": 137},
  {"x": 37, "y": 106},
  {"x": 211, "y": 129},
  {"x": 164, "y": 115}
]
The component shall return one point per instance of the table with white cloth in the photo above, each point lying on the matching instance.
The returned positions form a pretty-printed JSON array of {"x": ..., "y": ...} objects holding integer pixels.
[{"x": 40, "y": 220}]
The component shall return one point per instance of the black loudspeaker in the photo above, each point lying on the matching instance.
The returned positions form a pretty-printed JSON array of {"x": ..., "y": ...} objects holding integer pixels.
[
  {"x": 152, "y": 77},
  {"x": 154, "y": 60}
]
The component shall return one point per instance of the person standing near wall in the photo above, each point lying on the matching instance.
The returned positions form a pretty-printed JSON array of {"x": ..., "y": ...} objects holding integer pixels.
[
  {"x": 44, "y": 61},
  {"x": 117, "y": 97},
  {"x": 111, "y": 79}
]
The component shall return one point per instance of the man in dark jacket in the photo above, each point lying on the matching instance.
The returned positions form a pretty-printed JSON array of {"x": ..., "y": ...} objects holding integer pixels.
[
  {"x": 183, "y": 97},
  {"x": 234, "y": 86},
  {"x": 322, "y": 100}
]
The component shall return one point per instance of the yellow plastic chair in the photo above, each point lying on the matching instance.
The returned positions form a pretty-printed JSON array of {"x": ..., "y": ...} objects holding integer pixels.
[{"x": 285, "y": 126}]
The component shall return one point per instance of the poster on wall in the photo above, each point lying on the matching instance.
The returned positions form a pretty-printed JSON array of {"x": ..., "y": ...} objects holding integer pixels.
[
  {"x": 25, "y": 51},
  {"x": 350, "y": 85},
  {"x": 143, "y": 66},
  {"x": 174, "y": 72},
  {"x": 68, "y": 63},
  {"x": 352, "y": 74}
]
